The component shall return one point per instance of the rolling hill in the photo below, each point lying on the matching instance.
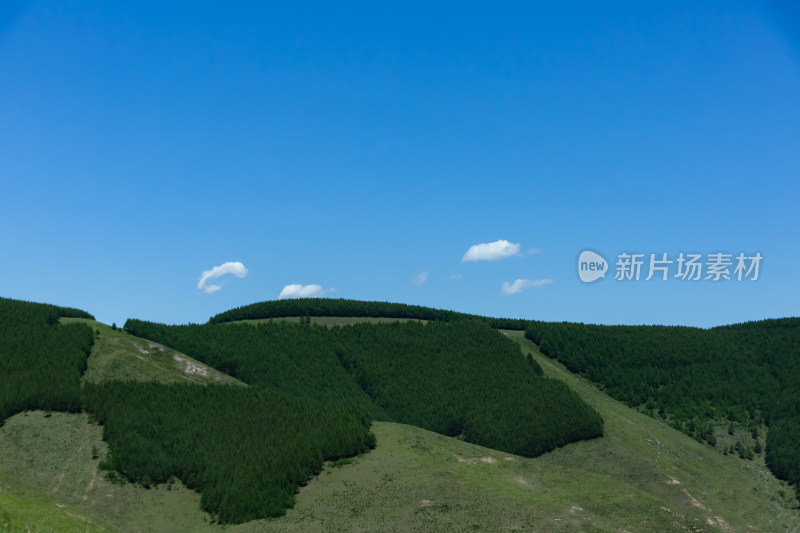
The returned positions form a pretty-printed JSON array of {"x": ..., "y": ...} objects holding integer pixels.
[{"x": 641, "y": 475}]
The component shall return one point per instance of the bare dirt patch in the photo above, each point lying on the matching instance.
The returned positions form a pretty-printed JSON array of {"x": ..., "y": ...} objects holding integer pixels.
[
  {"x": 191, "y": 367},
  {"x": 91, "y": 485},
  {"x": 472, "y": 460},
  {"x": 673, "y": 513},
  {"x": 695, "y": 501}
]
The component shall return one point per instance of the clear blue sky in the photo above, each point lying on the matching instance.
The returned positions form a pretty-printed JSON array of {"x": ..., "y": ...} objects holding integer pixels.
[{"x": 365, "y": 147}]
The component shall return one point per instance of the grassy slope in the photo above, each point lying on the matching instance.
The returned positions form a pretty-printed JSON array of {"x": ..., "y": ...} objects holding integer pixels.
[
  {"x": 34, "y": 511},
  {"x": 118, "y": 355},
  {"x": 48, "y": 477},
  {"x": 651, "y": 456},
  {"x": 642, "y": 476},
  {"x": 416, "y": 480},
  {"x": 50, "y": 460}
]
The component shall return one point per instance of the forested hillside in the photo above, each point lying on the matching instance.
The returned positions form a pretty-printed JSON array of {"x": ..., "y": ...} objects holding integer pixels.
[
  {"x": 453, "y": 378},
  {"x": 293, "y": 359},
  {"x": 743, "y": 375},
  {"x": 41, "y": 362},
  {"x": 464, "y": 378},
  {"x": 353, "y": 308},
  {"x": 314, "y": 390},
  {"x": 246, "y": 450}
]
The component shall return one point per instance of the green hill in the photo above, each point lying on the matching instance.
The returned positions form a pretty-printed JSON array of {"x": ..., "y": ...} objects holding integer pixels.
[
  {"x": 159, "y": 426},
  {"x": 736, "y": 387},
  {"x": 460, "y": 378},
  {"x": 641, "y": 475},
  {"x": 340, "y": 307}
]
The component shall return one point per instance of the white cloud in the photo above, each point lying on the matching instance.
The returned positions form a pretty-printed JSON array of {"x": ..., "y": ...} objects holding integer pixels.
[
  {"x": 456, "y": 276},
  {"x": 420, "y": 278},
  {"x": 296, "y": 290},
  {"x": 491, "y": 251},
  {"x": 522, "y": 284},
  {"x": 231, "y": 267}
]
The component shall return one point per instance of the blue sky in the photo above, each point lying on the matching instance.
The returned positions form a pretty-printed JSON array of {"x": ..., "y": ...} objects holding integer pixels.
[{"x": 365, "y": 148}]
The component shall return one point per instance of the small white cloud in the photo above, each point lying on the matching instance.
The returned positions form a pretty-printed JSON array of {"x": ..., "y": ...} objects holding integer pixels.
[
  {"x": 231, "y": 267},
  {"x": 456, "y": 276},
  {"x": 420, "y": 278},
  {"x": 296, "y": 290},
  {"x": 491, "y": 251},
  {"x": 522, "y": 284},
  {"x": 533, "y": 251}
]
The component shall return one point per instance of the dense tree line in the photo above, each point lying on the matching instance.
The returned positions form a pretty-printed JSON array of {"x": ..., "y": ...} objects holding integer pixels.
[
  {"x": 746, "y": 373},
  {"x": 313, "y": 394},
  {"x": 783, "y": 440},
  {"x": 354, "y": 308},
  {"x": 465, "y": 378},
  {"x": 246, "y": 450},
  {"x": 41, "y": 361},
  {"x": 289, "y": 358},
  {"x": 453, "y": 378},
  {"x": 70, "y": 312}
]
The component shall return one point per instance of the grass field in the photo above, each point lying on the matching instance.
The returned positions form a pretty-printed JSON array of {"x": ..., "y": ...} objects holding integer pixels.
[
  {"x": 56, "y": 459},
  {"x": 690, "y": 477},
  {"x": 35, "y": 513},
  {"x": 641, "y": 476},
  {"x": 414, "y": 480},
  {"x": 118, "y": 355}
]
